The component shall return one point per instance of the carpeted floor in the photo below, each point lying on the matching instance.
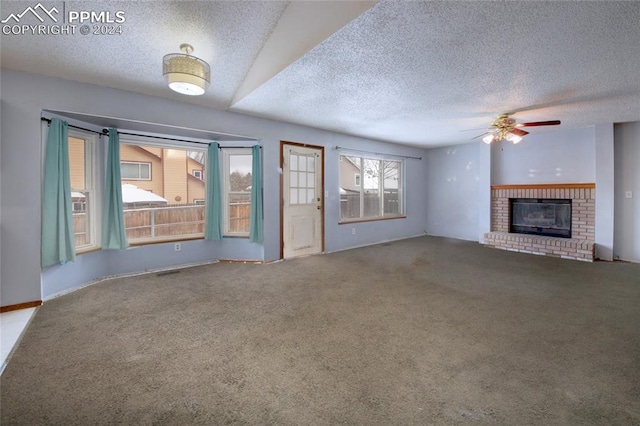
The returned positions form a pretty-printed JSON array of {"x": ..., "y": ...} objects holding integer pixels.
[{"x": 421, "y": 331}]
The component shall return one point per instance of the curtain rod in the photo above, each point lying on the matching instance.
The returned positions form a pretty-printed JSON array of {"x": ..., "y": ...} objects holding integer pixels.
[
  {"x": 379, "y": 153},
  {"x": 48, "y": 120},
  {"x": 160, "y": 137},
  {"x": 178, "y": 140},
  {"x": 106, "y": 132}
]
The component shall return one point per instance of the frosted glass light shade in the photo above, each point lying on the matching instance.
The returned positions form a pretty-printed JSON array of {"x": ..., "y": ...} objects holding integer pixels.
[
  {"x": 513, "y": 138},
  {"x": 488, "y": 139},
  {"x": 186, "y": 84}
]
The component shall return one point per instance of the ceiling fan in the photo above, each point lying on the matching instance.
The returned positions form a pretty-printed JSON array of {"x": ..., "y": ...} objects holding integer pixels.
[{"x": 506, "y": 128}]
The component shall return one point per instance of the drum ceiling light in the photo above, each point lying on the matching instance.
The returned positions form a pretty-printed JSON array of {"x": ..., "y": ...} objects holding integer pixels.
[{"x": 186, "y": 74}]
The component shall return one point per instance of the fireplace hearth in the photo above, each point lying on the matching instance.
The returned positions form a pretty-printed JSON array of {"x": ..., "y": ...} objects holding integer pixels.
[{"x": 540, "y": 216}]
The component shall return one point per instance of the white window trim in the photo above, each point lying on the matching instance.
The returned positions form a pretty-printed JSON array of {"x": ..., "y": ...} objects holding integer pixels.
[
  {"x": 228, "y": 152},
  {"x": 199, "y": 173},
  {"x": 93, "y": 204},
  {"x": 142, "y": 141},
  {"x": 357, "y": 179},
  {"x": 401, "y": 189}
]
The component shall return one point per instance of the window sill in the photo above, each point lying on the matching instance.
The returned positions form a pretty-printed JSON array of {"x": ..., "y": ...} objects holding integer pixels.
[
  {"x": 177, "y": 239},
  {"x": 374, "y": 219},
  {"x": 86, "y": 250}
]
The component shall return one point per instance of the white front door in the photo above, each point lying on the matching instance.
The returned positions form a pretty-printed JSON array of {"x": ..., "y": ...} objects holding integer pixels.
[{"x": 302, "y": 213}]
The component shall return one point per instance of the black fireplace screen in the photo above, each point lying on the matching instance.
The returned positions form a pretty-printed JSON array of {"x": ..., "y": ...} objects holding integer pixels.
[{"x": 550, "y": 217}]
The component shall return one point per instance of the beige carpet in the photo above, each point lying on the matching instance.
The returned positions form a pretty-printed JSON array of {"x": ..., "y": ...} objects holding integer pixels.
[{"x": 421, "y": 331}]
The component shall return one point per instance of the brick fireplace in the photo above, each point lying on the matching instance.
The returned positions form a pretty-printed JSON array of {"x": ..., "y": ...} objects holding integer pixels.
[{"x": 581, "y": 245}]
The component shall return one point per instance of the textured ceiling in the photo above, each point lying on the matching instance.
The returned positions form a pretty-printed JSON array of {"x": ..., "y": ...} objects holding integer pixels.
[{"x": 418, "y": 73}]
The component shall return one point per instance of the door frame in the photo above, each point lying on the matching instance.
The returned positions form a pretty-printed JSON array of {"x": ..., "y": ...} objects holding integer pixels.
[{"x": 304, "y": 145}]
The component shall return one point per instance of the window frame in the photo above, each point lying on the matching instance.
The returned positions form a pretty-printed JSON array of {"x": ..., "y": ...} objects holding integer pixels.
[
  {"x": 357, "y": 178},
  {"x": 139, "y": 163},
  {"x": 141, "y": 141},
  {"x": 92, "y": 202},
  {"x": 226, "y": 192},
  {"x": 381, "y": 188},
  {"x": 199, "y": 173}
]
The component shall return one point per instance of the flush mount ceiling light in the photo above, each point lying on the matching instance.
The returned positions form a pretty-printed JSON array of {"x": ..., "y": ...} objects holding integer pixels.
[{"x": 186, "y": 74}]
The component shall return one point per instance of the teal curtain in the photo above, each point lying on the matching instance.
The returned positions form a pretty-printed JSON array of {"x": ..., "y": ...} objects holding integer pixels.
[
  {"x": 58, "y": 241},
  {"x": 113, "y": 233},
  {"x": 213, "y": 224},
  {"x": 256, "y": 227}
]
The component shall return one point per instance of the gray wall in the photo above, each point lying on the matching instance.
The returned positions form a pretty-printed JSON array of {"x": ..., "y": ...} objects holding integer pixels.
[
  {"x": 453, "y": 191},
  {"x": 459, "y": 179},
  {"x": 565, "y": 156},
  {"x": 604, "y": 191},
  {"x": 627, "y": 178},
  {"x": 24, "y": 96}
]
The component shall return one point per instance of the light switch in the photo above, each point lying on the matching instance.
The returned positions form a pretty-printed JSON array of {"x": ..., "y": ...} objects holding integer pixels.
[{"x": 628, "y": 194}]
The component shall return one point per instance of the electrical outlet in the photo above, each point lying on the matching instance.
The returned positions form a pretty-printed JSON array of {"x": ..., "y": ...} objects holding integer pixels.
[
  {"x": 628, "y": 194},
  {"x": 353, "y": 231},
  {"x": 177, "y": 247}
]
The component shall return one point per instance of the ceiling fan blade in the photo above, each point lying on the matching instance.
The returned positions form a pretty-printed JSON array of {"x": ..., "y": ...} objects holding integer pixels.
[
  {"x": 480, "y": 135},
  {"x": 540, "y": 123},
  {"x": 519, "y": 132},
  {"x": 481, "y": 128}
]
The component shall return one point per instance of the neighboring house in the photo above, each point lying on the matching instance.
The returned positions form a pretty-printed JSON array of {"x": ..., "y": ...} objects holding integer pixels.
[
  {"x": 169, "y": 173},
  {"x": 148, "y": 168},
  {"x": 350, "y": 176}
]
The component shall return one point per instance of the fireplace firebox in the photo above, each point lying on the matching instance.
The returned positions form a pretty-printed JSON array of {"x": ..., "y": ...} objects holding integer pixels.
[{"x": 540, "y": 216}]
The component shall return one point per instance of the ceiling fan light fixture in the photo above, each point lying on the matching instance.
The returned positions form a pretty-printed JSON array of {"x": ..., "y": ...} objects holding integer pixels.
[
  {"x": 186, "y": 74},
  {"x": 488, "y": 138},
  {"x": 513, "y": 138}
]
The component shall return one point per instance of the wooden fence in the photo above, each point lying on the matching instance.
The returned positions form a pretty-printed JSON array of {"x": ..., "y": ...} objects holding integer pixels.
[
  {"x": 350, "y": 204},
  {"x": 80, "y": 228},
  {"x": 239, "y": 217},
  {"x": 149, "y": 223},
  {"x": 161, "y": 222}
]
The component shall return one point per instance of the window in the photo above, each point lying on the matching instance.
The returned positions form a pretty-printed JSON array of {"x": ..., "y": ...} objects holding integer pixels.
[
  {"x": 302, "y": 179},
  {"x": 130, "y": 170},
  {"x": 377, "y": 191},
  {"x": 83, "y": 197},
  {"x": 237, "y": 191},
  {"x": 197, "y": 174},
  {"x": 166, "y": 205}
]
